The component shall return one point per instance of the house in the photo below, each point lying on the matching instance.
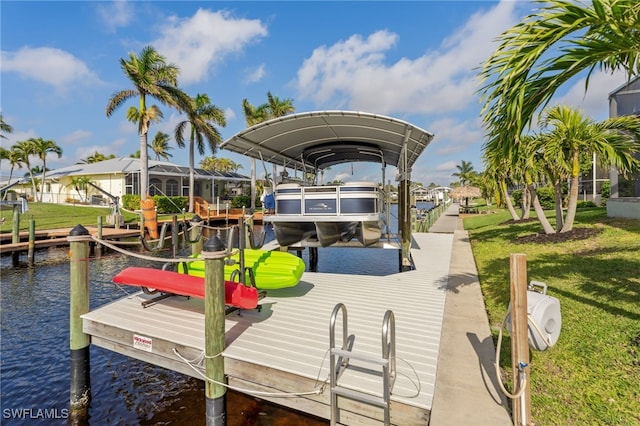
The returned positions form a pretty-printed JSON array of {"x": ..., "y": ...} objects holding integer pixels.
[
  {"x": 120, "y": 176},
  {"x": 625, "y": 193}
]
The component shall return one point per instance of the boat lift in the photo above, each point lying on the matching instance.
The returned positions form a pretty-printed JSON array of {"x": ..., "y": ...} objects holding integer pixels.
[{"x": 115, "y": 218}]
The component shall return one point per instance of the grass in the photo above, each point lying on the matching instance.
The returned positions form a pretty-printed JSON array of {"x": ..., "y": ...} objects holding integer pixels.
[
  {"x": 591, "y": 375},
  {"x": 52, "y": 216}
]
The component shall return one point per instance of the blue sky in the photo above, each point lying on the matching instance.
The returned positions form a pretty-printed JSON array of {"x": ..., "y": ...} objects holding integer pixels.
[{"x": 416, "y": 61}]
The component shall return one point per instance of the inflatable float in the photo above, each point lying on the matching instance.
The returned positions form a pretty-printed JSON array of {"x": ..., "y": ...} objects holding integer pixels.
[
  {"x": 236, "y": 294},
  {"x": 271, "y": 269}
]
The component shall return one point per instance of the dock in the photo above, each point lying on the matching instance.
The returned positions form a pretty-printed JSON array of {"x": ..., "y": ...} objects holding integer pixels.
[
  {"x": 283, "y": 347},
  {"x": 280, "y": 353}
]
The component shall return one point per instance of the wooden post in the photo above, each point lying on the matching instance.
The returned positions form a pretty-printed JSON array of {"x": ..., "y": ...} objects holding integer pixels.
[
  {"x": 15, "y": 234},
  {"x": 214, "y": 331},
  {"x": 196, "y": 245},
  {"x": 79, "y": 299},
  {"x": 404, "y": 224},
  {"x": 174, "y": 235},
  {"x": 520, "y": 339},
  {"x": 31, "y": 253},
  {"x": 96, "y": 248}
]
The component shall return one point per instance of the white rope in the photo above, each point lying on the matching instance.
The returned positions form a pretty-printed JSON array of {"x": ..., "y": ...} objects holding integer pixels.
[
  {"x": 142, "y": 256},
  {"x": 153, "y": 258},
  {"x": 317, "y": 391}
]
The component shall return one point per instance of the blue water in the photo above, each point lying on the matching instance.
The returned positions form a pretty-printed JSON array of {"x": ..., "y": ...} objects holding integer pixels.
[{"x": 34, "y": 350}]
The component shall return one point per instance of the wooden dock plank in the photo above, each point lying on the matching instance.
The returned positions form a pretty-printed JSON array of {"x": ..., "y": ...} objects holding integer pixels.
[{"x": 284, "y": 346}]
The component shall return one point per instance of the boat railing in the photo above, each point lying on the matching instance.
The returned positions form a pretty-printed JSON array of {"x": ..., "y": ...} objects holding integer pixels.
[{"x": 353, "y": 198}]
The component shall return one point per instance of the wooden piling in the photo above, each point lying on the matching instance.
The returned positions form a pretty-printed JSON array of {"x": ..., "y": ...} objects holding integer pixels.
[
  {"x": 174, "y": 235},
  {"x": 213, "y": 254},
  {"x": 15, "y": 234},
  {"x": 31, "y": 250},
  {"x": 520, "y": 339},
  {"x": 79, "y": 342},
  {"x": 196, "y": 235}
]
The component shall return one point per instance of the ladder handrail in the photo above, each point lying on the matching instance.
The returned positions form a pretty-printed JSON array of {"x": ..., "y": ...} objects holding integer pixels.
[
  {"x": 332, "y": 326},
  {"x": 389, "y": 346},
  {"x": 388, "y": 363}
]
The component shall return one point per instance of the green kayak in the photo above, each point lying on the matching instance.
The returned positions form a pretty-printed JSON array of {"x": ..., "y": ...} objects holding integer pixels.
[{"x": 272, "y": 269}]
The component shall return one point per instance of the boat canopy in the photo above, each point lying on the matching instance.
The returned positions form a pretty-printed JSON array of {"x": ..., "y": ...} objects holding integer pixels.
[{"x": 319, "y": 139}]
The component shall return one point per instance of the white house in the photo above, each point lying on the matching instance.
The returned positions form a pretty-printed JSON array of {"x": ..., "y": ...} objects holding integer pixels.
[{"x": 120, "y": 176}]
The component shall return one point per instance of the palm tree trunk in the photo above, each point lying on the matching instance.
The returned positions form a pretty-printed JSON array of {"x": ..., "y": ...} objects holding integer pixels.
[
  {"x": 546, "y": 226},
  {"x": 44, "y": 171},
  {"x": 526, "y": 203},
  {"x": 558, "y": 196},
  {"x": 508, "y": 202},
  {"x": 144, "y": 167},
  {"x": 573, "y": 194},
  {"x": 192, "y": 178}
]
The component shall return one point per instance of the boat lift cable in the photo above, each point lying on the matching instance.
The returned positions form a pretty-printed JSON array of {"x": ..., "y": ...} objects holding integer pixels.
[{"x": 317, "y": 391}]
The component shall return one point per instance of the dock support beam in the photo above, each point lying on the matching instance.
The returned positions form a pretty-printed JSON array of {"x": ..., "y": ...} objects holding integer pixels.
[
  {"x": 213, "y": 253},
  {"x": 79, "y": 342}
]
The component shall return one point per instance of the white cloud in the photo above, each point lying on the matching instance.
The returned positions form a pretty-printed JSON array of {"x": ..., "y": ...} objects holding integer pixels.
[
  {"x": 444, "y": 167},
  {"x": 78, "y": 136},
  {"x": 229, "y": 114},
  {"x": 116, "y": 14},
  {"x": 199, "y": 43},
  {"x": 595, "y": 102},
  {"x": 455, "y": 135},
  {"x": 354, "y": 71},
  {"x": 256, "y": 74},
  {"x": 54, "y": 67}
]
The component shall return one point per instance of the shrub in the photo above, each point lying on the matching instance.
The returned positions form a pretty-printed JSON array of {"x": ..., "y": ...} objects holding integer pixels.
[
  {"x": 241, "y": 201},
  {"x": 168, "y": 205},
  {"x": 546, "y": 196},
  {"x": 516, "y": 197},
  {"x": 131, "y": 201},
  {"x": 585, "y": 204},
  {"x": 605, "y": 191}
]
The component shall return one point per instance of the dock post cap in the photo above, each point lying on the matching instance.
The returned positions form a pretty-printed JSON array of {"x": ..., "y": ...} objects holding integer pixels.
[
  {"x": 78, "y": 231},
  {"x": 214, "y": 248},
  {"x": 196, "y": 219}
]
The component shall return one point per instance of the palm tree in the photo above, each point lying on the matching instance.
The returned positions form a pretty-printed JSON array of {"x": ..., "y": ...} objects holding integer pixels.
[
  {"x": 223, "y": 165},
  {"x": 4, "y": 128},
  {"x": 96, "y": 157},
  {"x": 41, "y": 149},
  {"x": 545, "y": 50},
  {"x": 80, "y": 183},
  {"x": 24, "y": 150},
  {"x": 201, "y": 116},
  {"x": 465, "y": 172},
  {"x": 615, "y": 142},
  {"x": 160, "y": 146},
  {"x": 14, "y": 156},
  {"x": 151, "y": 77},
  {"x": 254, "y": 115}
]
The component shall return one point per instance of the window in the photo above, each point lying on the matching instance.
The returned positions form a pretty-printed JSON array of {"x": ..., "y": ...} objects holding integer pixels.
[
  {"x": 172, "y": 188},
  {"x": 155, "y": 187}
]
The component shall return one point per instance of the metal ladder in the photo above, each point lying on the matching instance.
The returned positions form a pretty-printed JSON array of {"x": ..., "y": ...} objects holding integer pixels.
[{"x": 343, "y": 354}]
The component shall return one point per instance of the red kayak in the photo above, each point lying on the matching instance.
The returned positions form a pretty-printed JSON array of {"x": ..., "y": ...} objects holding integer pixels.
[{"x": 235, "y": 294}]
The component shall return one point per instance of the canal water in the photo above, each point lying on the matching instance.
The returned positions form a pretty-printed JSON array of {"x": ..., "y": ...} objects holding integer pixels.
[{"x": 34, "y": 350}]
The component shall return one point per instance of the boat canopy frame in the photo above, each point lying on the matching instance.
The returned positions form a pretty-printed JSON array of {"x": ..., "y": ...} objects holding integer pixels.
[{"x": 319, "y": 139}]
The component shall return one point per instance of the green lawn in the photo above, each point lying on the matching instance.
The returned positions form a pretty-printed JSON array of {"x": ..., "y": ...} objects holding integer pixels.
[
  {"x": 51, "y": 216},
  {"x": 592, "y": 375}
]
